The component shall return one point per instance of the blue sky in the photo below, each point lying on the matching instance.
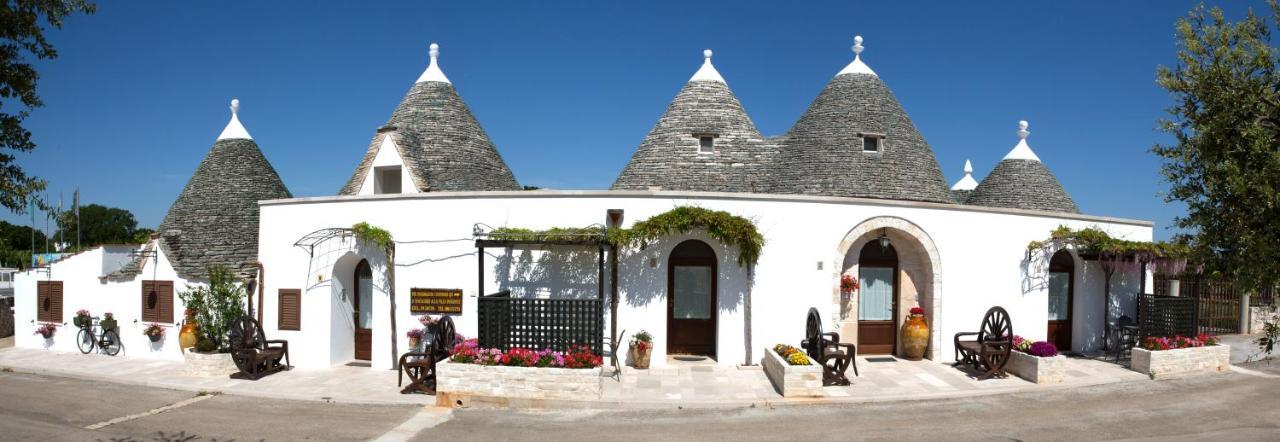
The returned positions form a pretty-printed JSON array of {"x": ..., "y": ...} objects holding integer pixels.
[{"x": 568, "y": 90}]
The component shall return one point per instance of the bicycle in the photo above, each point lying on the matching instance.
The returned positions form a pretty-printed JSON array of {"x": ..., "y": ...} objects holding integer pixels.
[{"x": 107, "y": 340}]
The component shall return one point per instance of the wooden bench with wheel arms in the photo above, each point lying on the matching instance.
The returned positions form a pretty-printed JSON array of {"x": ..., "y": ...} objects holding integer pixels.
[
  {"x": 254, "y": 354},
  {"x": 420, "y": 366},
  {"x": 834, "y": 356},
  {"x": 989, "y": 351}
]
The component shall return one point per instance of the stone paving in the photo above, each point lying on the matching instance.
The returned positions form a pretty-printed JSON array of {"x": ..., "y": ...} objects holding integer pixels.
[{"x": 695, "y": 385}]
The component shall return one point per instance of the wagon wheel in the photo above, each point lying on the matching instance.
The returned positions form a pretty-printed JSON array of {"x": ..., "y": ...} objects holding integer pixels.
[
  {"x": 445, "y": 334},
  {"x": 996, "y": 326},
  {"x": 243, "y": 338},
  {"x": 813, "y": 334}
]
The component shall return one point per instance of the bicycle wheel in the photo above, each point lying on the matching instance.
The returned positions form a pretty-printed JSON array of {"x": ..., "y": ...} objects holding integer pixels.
[
  {"x": 110, "y": 343},
  {"x": 84, "y": 340}
]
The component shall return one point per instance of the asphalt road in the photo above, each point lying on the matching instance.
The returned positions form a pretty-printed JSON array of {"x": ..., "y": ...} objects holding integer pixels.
[{"x": 1222, "y": 407}]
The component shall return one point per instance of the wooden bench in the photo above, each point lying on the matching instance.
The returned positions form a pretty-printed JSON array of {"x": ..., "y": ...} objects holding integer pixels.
[
  {"x": 254, "y": 354},
  {"x": 420, "y": 365},
  {"x": 834, "y": 356},
  {"x": 989, "y": 352}
]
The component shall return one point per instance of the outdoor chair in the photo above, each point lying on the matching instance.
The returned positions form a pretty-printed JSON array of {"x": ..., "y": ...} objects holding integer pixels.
[
  {"x": 834, "y": 356},
  {"x": 255, "y": 355},
  {"x": 614, "y": 347},
  {"x": 1124, "y": 336},
  {"x": 420, "y": 363},
  {"x": 989, "y": 352}
]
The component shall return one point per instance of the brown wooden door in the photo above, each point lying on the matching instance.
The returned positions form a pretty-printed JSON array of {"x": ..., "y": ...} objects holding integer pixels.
[
  {"x": 691, "y": 300},
  {"x": 362, "y": 311},
  {"x": 877, "y": 300},
  {"x": 1061, "y": 300}
]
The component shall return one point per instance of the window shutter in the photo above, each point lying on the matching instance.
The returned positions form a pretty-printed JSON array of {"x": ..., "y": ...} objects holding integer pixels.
[
  {"x": 290, "y": 309},
  {"x": 42, "y": 301},
  {"x": 160, "y": 307},
  {"x": 55, "y": 301},
  {"x": 165, "y": 290}
]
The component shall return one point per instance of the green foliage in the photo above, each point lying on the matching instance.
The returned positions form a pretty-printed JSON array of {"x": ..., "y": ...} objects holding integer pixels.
[
  {"x": 1094, "y": 241},
  {"x": 373, "y": 235},
  {"x": 215, "y": 305},
  {"x": 142, "y": 235},
  {"x": 1225, "y": 164},
  {"x": 98, "y": 225},
  {"x": 555, "y": 234},
  {"x": 23, "y": 37}
]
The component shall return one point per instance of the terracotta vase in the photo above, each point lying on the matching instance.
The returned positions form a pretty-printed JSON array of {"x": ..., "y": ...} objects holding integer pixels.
[
  {"x": 915, "y": 337},
  {"x": 640, "y": 358},
  {"x": 187, "y": 336}
]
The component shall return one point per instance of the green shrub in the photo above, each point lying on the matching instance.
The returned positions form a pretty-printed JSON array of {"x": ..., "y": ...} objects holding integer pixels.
[{"x": 215, "y": 306}]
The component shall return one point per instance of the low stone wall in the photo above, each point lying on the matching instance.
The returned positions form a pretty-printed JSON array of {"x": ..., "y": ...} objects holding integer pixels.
[
  {"x": 1258, "y": 317},
  {"x": 6, "y": 317},
  {"x": 792, "y": 380},
  {"x": 1183, "y": 361},
  {"x": 1037, "y": 369},
  {"x": 497, "y": 385},
  {"x": 208, "y": 365}
]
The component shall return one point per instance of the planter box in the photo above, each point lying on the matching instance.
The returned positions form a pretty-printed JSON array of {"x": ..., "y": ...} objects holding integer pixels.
[
  {"x": 208, "y": 364},
  {"x": 792, "y": 380},
  {"x": 1037, "y": 369},
  {"x": 1163, "y": 364},
  {"x": 495, "y": 384}
]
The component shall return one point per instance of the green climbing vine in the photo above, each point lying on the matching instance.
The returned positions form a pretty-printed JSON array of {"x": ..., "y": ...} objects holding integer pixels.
[
  {"x": 1094, "y": 240},
  {"x": 381, "y": 238}
]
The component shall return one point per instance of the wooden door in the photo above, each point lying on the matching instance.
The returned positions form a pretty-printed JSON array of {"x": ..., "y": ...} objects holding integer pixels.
[
  {"x": 362, "y": 311},
  {"x": 691, "y": 300},
  {"x": 1061, "y": 299},
  {"x": 877, "y": 300}
]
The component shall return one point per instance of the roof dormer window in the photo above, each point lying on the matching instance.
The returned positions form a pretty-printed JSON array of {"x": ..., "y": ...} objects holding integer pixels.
[
  {"x": 706, "y": 144},
  {"x": 872, "y": 143},
  {"x": 386, "y": 180}
]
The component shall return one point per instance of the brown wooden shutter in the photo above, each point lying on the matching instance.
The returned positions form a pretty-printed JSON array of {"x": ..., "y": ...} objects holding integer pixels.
[
  {"x": 49, "y": 301},
  {"x": 160, "y": 307},
  {"x": 290, "y": 308}
]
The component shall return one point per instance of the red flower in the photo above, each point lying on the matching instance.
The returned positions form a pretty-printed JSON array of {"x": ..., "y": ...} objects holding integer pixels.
[
  {"x": 917, "y": 310},
  {"x": 849, "y": 284}
]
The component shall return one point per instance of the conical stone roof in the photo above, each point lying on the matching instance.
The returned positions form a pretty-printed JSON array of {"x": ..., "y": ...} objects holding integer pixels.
[
  {"x": 823, "y": 153},
  {"x": 670, "y": 156},
  {"x": 441, "y": 143},
  {"x": 215, "y": 218},
  {"x": 1021, "y": 181}
]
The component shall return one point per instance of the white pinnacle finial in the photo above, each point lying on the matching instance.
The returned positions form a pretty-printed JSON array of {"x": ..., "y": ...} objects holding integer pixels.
[
  {"x": 1022, "y": 151},
  {"x": 433, "y": 72},
  {"x": 966, "y": 183},
  {"x": 707, "y": 72},
  {"x": 857, "y": 66},
  {"x": 234, "y": 129},
  {"x": 968, "y": 167}
]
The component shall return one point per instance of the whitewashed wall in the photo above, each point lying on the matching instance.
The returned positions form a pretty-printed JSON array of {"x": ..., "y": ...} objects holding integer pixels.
[
  {"x": 83, "y": 289},
  {"x": 982, "y": 254}
]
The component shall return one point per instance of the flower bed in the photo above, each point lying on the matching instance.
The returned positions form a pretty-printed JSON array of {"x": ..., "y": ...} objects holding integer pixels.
[
  {"x": 803, "y": 378},
  {"x": 1037, "y": 362},
  {"x": 1164, "y": 357},
  {"x": 490, "y": 375}
]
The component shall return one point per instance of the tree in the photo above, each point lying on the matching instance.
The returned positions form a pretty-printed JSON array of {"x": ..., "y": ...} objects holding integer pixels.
[
  {"x": 98, "y": 225},
  {"x": 1225, "y": 165},
  {"x": 21, "y": 35}
]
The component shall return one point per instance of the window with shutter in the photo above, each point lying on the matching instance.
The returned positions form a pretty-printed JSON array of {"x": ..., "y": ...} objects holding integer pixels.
[
  {"x": 157, "y": 301},
  {"x": 49, "y": 301},
  {"x": 290, "y": 309}
]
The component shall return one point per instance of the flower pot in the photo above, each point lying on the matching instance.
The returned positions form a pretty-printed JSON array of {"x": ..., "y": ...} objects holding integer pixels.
[
  {"x": 47, "y": 335},
  {"x": 640, "y": 358},
  {"x": 413, "y": 343},
  {"x": 915, "y": 337},
  {"x": 107, "y": 324},
  {"x": 155, "y": 338},
  {"x": 187, "y": 337},
  {"x": 81, "y": 321}
]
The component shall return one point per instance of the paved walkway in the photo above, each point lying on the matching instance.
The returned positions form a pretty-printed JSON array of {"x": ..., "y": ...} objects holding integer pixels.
[{"x": 705, "y": 386}]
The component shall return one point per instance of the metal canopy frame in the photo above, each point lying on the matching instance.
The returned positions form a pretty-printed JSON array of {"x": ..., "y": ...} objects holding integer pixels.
[{"x": 309, "y": 241}]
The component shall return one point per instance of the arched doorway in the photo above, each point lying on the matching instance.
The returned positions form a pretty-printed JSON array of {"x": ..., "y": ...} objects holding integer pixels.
[
  {"x": 691, "y": 299},
  {"x": 877, "y": 299},
  {"x": 1062, "y": 272},
  {"x": 362, "y": 311}
]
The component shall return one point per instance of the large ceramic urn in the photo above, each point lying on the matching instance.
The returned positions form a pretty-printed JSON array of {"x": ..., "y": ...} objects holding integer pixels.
[
  {"x": 915, "y": 337},
  {"x": 187, "y": 336}
]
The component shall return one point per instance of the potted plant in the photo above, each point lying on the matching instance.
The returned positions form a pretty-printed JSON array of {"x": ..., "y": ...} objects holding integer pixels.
[
  {"x": 415, "y": 337},
  {"x": 915, "y": 335},
  {"x": 641, "y": 348},
  {"x": 47, "y": 330},
  {"x": 848, "y": 284},
  {"x": 82, "y": 318},
  {"x": 108, "y": 322},
  {"x": 154, "y": 332}
]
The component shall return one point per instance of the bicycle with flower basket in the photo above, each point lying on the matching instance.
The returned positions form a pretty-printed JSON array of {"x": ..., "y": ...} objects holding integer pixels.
[{"x": 106, "y": 338}]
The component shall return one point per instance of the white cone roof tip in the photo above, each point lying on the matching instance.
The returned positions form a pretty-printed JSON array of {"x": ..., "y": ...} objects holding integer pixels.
[
  {"x": 1022, "y": 151},
  {"x": 857, "y": 66},
  {"x": 707, "y": 72},
  {"x": 433, "y": 72},
  {"x": 234, "y": 129},
  {"x": 966, "y": 183}
]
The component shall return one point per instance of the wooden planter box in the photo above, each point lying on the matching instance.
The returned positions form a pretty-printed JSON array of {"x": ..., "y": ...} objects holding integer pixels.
[
  {"x": 208, "y": 364},
  {"x": 1040, "y": 370},
  {"x": 1163, "y": 364},
  {"x": 792, "y": 380},
  {"x": 497, "y": 385}
]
